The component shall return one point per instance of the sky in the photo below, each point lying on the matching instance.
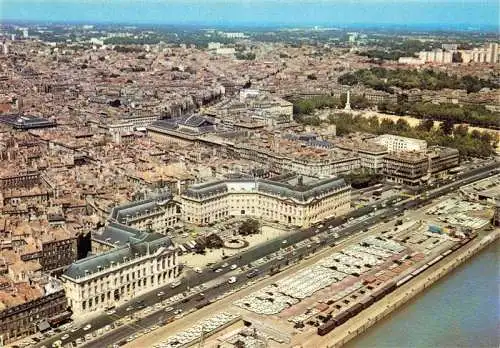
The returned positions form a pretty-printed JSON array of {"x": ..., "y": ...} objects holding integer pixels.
[{"x": 452, "y": 14}]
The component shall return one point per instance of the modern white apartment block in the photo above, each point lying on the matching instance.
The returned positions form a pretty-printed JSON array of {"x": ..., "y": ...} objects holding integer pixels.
[
  {"x": 297, "y": 201},
  {"x": 436, "y": 56},
  {"x": 395, "y": 143}
]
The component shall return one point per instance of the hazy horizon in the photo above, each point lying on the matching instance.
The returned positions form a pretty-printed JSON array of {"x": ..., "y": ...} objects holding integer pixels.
[{"x": 444, "y": 14}]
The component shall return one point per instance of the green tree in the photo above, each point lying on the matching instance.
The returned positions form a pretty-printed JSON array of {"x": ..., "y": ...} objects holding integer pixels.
[
  {"x": 447, "y": 127},
  {"x": 461, "y": 130},
  {"x": 248, "y": 227},
  {"x": 425, "y": 125}
]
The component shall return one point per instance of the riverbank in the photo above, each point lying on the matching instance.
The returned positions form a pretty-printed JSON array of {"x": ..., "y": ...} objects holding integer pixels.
[
  {"x": 377, "y": 312},
  {"x": 461, "y": 310}
]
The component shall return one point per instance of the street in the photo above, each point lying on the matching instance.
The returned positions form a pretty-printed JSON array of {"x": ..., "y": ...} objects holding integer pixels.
[{"x": 392, "y": 209}]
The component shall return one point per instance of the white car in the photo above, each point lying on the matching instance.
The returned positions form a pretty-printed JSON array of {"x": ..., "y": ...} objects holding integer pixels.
[
  {"x": 57, "y": 344},
  {"x": 75, "y": 329},
  {"x": 161, "y": 293},
  {"x": 87, "y": 327},
  {"x": 111, "y": 312},
  {"x": 232, "y": 280},
  {"x": 64, "y": 337},
  {"x": 169, "y": 309},
  {"x": 224, "y": 265},
  {"x": 234, "y": 266},
  {"x": 218, "y": 270},
  {"x": 198, "y": 270},
  {"x": 178, "y": 311}
]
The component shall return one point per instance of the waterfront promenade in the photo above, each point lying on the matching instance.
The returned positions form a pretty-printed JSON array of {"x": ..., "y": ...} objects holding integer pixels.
[{"x": 378, "y": 311}]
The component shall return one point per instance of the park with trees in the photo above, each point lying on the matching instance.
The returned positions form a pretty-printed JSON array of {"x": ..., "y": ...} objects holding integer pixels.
[
  {"x": 469, "y": 144},
  {"x": 383, "y": 79}
]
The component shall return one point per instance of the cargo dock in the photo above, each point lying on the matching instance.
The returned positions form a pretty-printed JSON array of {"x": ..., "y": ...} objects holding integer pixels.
[{"x": 405, "y": 291}]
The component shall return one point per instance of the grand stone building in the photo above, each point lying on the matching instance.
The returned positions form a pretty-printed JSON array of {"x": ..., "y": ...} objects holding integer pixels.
[
  {"x": 333, "y": 164},
  {"x": 134, "y": 265},
  {"x": 297, "y": 201},
  {"x": 156, "y": 213}
]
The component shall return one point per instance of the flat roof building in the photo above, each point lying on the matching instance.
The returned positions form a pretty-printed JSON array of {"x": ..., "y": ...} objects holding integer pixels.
[{"x": 395, "y": 143}]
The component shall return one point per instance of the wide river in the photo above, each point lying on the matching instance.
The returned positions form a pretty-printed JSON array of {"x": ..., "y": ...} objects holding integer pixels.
[{"x": 460, "y": 310}]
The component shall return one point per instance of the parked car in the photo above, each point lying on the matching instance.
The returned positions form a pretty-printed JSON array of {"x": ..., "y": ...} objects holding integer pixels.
[
  {"x": 232, "y": 280},
  {"x": 87, "y": 327}
]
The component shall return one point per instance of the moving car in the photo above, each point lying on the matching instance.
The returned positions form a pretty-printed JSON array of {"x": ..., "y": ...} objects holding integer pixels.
[
  {"x": 232, "y": 280},
  {"x": 175, "y": 284},
  {"x": 252, "y": 273},
  {"x": 87, "y": 327},
  {"x": 234, "y": 266}
]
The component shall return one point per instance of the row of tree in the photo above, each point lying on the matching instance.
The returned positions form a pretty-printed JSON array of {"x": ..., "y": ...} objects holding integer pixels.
[
  {"x": 476, "y": 115},
  {"x": 245, "y": 56},
  {"x": 394, "y": 49},
  {"x": 308, "y": 105},
  {"x": 363, "y": 179},
  {"x": 385, "y": 79},
  {"x": 469, "y": 144}
]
